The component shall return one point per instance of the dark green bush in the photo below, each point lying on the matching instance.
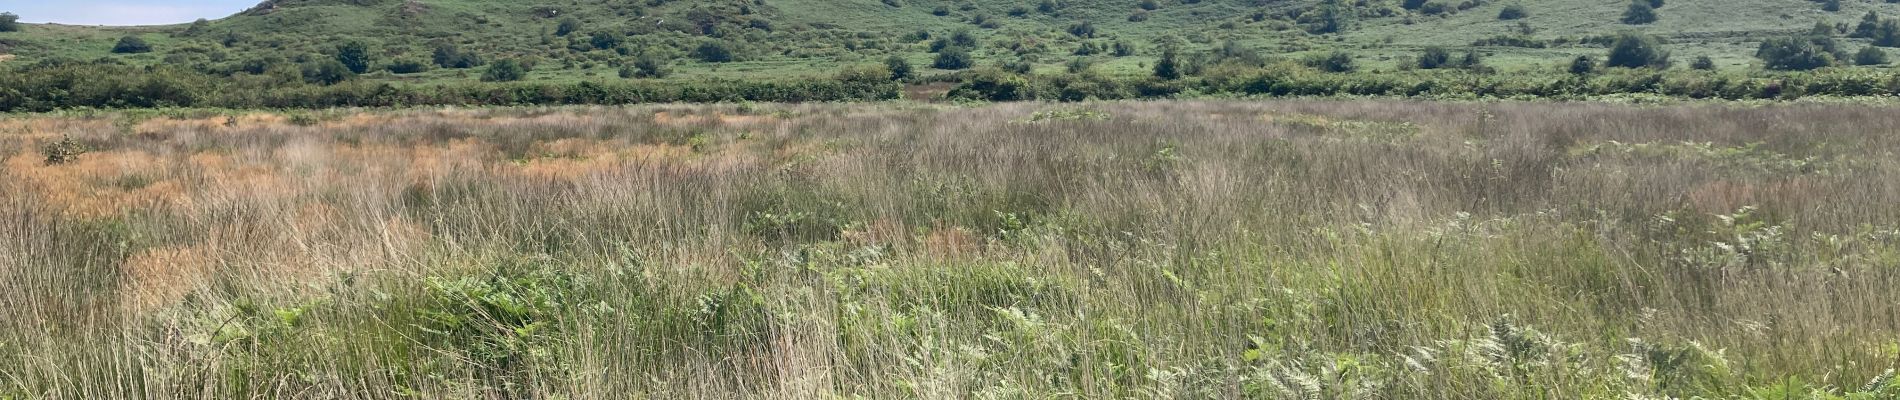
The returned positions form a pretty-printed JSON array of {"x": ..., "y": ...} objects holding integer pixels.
[
  {"x": 899, "y": 67},
  {"x": 953, "y": 58},
  {"x": 9, "y": 22},
  {"x": 131, "y": 45},
  {"x": 1639, "y": 13},
  {"x": 354, "y": 55},
  {"x": 1513, "y": 11},
  {"x": 505, "y": 70},
  {"x": 1635, "y": 50}
]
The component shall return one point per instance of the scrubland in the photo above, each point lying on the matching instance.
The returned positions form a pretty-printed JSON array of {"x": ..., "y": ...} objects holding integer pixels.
[{"x": 1284, "y": 249}]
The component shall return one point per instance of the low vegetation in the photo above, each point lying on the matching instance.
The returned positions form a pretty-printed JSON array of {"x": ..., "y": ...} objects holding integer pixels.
[{"x": 1285, "y": 249}]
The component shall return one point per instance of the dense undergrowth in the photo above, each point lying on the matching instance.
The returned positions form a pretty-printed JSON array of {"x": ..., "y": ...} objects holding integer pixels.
[{"x": 1299, "y": 249}]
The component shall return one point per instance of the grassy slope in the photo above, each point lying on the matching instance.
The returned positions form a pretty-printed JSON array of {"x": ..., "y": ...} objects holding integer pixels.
[{"x": 809, "y": 36}]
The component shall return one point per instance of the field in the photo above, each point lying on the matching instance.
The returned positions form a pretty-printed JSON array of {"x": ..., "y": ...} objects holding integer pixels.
[{"x": 1335, "y": 249}]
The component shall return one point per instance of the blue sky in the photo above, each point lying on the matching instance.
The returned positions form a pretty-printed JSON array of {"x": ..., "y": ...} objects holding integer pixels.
[{"x": 122, "y": 12}]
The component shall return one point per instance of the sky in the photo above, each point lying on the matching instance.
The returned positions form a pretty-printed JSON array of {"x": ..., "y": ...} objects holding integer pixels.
[{"x": 122, "y": 12}]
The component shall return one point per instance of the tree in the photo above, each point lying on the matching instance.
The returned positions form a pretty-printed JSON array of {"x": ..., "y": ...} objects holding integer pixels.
[
  {"x": 1868, "y": 24},
  {"x": 1870, "y": 55},
  {"x": 1337, "y": 61},
  {"x": 1703, "y": 63},
  {"x": 326, "y": 72},
  {"x": 1434, "y": 58},
  {"x": 1168, "y": 67},
  {"x": 9, "y": 22},
  {"x": 1639, "y": 13},
  {"x": 900, "y": 68},
  {"x": 1513, "y": 11},
  {"x": 952, "y": 58},
  {"x": 566, "y": 27},
  {"x": 714, "y": 51},
  {"x": 354, "y": 55},
  {"x": 605, "y": 40},
  {"x": 505, "y": 70},
  {"x": 1795, "y": 53},
  {"x": 131, "y": 45},
  {"x": 1635, "y": 50},
  {"x": 1887, "y": 34},
  {"x": 446, "y": 55},
  {"x": 646, "y": 66},
  {"x": 1583, "y": 65}
]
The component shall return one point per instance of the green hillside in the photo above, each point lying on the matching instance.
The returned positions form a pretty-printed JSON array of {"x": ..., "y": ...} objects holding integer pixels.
[{"x": 780, "y": 38}]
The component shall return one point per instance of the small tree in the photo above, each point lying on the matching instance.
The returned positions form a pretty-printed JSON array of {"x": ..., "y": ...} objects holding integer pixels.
[
  {"x": 567, "y": 26},
  {"x": 605, "y": 40},
  {"x": 354, "y": 55},
  {"x": 1583, "y": 65},
  {"x": 446, "y": 55},
  {"x": 131, "y": 45},
  {"x": 1796, "y": 53},
  {"x": 1084, "y": 29},
  {"x": 1513, "y": 11},
  {"x": 1169, "y": 67},
  {"x": 1434, "y": 58},
  {"x": 1870, "y": 55},
  {"x": 645, "y": 66},
  {"x": 1868, "y": 24},
  {"x": 1634, "y": 50},
  {"x": 326, "y": 72},
  {"x": 505, "y": 70},
  {"x": 9, "y": 22},
  {"x": 714, "y": 51},
  {"x": 1639, "y": 13},
  {"x": 1887, "y": 34},
  {"x": 953, "y": 58},
  {"x": 900, "y": 68},
  {"x": 1337, "y": 61},
  {"x": 1702, "y": 63}
]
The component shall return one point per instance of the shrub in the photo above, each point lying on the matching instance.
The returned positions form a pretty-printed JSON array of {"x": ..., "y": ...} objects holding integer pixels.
[
  {"x": 1634, "y": 50},
  {"x": 900, "y": 68},
  {"x": 1639, "y": 13},
  {"x": 1799, "y": 53},
  {"x": 1046, "y": 7},
  {"x": 1168, "y": 67},
  {"x": 446, "y": 55},
  {"x": 993, "y": 85},
  {"x": 714, "y": 51},
  {"x": 354, "y": 55},
  {"x": 567, "y": 26},
  {"x": 1337, "y": 61},
  {"x": 941, "y": 11},
  {"x": 605, "y": 40},
  {"x": 1868, "y": 23},
  {"x": 1831, "y": 5},
  {"x": 1084, "y": 29},
  {"x": 1886, "y": 34},
  {"x": 1434, "y": 58},
  {"x": 9, "y": 22},
  {"x": 407, "y": 67},
  {"x": 326, "y": 72},
  {"x": 1412, "y": 4},
  {"x": 953, "y": 58},
  {"x": 63, "y": 151},
  {"x": 1514, "y": 11},
  {"x": 131, "y": 45},
  {"x": 1149, "y": 5},
  {"x": 1870, "y": 55},
  {"x": 505, "y": 70},
  {"x": 1702, "y": 63},
  {"x": 1123, "y": 49},
  {"x": 1583, "y": 65}
]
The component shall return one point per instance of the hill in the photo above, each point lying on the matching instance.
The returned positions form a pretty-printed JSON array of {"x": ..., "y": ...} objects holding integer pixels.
[{"x": 586, "y": 39}]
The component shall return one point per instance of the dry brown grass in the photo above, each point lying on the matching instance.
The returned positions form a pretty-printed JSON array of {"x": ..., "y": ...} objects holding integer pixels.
[{"x": 1169, "y": 249}]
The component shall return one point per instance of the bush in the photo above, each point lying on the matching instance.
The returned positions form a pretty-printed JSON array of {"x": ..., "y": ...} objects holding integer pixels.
[
  {"x": 605, "y": 40},
  {"x": 408, "y": 67},
  {"x": 1583, "y": 65},
  {"x": 354, "y": 55},
  {"x": 567, "y": 26},
  {"x": 899, "y": 67},
  {"x": 1886, "y": 34},
  {"x": 953, "y": 58},
  {"x": 993, "y": 85},
  {"x": 1639, "y": 13},
  {"x": 1514, "y": 11},
  {"x": 1702, "y": 63},
  {"x": 1149, "y": 5},
  {"x": 1868, "y": 23},
  {"x": 131, "y": 45},
  {"x": 1831, "y": 5},
  {"x": 1122, "y": 49},
  {"x": 714, "y": 51},
  {"x": 446, "y": 55},
  {"x": 326, "y": 72},
  {"x": 1798, "y": 53},
  {"x": 1870, "y": 55},
  {"x": 1337, "y": 61},
  {"x": 505, "y": 70},
  {"x": 1634, "y": 50},
  {"x": 63, "y": 151},
  {"x": 9, "y": 22},
  {"x": 1434, "y": 58},
  {"x": 1084, "y": 30},
  {"x": 1168, "y": 67}
]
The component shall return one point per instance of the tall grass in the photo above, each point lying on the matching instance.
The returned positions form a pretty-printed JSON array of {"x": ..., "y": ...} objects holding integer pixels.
[{"x": 1297, "y": 249}]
